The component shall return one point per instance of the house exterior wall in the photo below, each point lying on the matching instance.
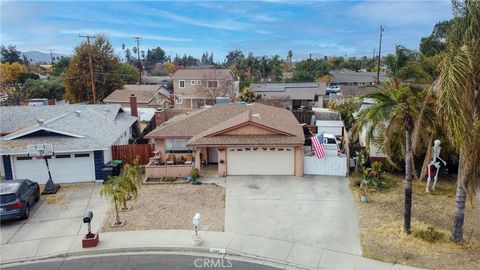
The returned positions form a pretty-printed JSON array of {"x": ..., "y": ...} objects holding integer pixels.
[
  {"x": 167, "y": 170},
  {"x": 299, "y": 160},
  {"x": 201, "y": 91}
]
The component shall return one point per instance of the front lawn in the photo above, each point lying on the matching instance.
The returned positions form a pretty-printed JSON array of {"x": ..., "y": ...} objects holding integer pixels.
[
  {"x": 172, "y": 207},
  {"x": 381, "y": 226}
]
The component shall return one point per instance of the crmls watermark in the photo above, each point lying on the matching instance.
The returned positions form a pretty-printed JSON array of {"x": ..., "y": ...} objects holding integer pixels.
[{"x": 212, "y": 263}]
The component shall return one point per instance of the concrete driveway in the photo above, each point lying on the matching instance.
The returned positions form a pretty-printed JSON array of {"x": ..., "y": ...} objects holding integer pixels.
[
  {"x": 313, "y": 210},
  {"x": 54, "y": 221}
]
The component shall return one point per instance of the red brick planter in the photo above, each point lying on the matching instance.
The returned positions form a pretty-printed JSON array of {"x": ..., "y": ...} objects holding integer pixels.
[{"x": 88, "y": 242}]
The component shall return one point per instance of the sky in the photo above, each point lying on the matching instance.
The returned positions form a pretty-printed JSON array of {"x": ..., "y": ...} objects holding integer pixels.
[{"x": 320, "y": 28}]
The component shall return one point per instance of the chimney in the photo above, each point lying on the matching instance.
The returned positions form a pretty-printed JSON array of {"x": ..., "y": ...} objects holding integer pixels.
[
  {"x": 160, "y": 117},
  {"x": 133, "y": 105},
  {"x": 134, "y": 112}
]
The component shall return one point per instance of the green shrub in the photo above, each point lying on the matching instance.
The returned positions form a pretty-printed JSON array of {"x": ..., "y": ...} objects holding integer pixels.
[
  {"x": 429, "y": 235},
  {"x": 169, "y": 179},
  {"x": 194, "y": 174}
]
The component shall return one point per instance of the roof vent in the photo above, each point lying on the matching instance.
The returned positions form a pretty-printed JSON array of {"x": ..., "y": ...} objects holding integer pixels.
[
  {"x": 78, "y": 112},
  {"x": 256, "y": 115},
  {"x": 41, "y": 122}
]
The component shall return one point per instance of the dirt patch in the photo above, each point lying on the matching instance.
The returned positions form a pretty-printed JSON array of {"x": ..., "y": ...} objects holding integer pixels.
[
  {"x": 169, "y": 207},
  {"x": 381, "y": 227}
]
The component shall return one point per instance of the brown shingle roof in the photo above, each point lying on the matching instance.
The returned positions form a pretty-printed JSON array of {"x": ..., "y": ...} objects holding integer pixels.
[
  {"x": 144, "y": 93},
  {"x": 201, "y": 73},
  {"x": 200, "y": 124}
]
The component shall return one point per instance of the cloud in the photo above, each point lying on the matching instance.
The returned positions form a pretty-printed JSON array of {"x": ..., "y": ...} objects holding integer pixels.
[
  {"x": 265, "y": 18},
  {"x": 229, "y": 24},
  {"x": 113, "y": 33}
]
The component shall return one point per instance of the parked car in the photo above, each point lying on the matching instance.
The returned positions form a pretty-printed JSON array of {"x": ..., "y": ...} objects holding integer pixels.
[
  {"x": 17, "y": 197},
  {"x": 331, "y": 143}
]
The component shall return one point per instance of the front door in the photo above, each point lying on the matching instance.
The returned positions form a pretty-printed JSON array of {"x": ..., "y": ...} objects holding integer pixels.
[{"x": 212, "y": 155}]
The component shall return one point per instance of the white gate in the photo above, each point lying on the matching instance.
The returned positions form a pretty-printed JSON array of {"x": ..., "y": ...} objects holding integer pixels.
[{"x": 329, "y": 165}]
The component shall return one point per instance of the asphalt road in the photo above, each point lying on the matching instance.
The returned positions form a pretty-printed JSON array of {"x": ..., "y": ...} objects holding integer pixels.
[{"x": 141, "y": 262}]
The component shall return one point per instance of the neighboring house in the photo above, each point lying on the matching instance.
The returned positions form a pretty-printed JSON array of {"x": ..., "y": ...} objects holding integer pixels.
[
  {"x": 166, "y": 81},
  {"x": 195, "y": 88},
  {"x": 148, "y": 96},
  {"x": 240, "y": 139},
  {"x": 81, "y": 136},
  {"x": 330, "y": 122},
  {"x": 375, "y": 151},
  {"x": 290, "y": 95},
  {"x": 349, "y": 77}
]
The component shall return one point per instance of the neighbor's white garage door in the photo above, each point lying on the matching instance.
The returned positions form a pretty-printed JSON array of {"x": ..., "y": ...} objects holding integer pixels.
[
  {"x": 262, "y": 161},
  {"x": 65, "y": 168}
]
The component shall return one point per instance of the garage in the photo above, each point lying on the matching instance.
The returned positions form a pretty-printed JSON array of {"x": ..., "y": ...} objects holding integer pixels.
[
  {"x": 65, "y": 168},
  {"x": 261, "y": 161}
]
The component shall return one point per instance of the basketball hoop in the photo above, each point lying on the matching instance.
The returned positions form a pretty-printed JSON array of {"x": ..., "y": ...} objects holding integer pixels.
[{"x": 42, "y": 151}]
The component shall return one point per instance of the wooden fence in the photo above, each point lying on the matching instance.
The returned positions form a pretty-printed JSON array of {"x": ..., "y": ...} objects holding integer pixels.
[
  {"x": 129, "y": 152},
  {"x": 303, "y": 116}
]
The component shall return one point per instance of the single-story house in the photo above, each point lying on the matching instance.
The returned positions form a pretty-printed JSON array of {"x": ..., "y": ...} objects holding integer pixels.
[
  {"x": 81, "y": 137},
  {"x": 348, "y": 77},
  {"x": 290, "y": 95},
  {"x": 148, "y": 96},
  {"x": 238, "y": 139}
]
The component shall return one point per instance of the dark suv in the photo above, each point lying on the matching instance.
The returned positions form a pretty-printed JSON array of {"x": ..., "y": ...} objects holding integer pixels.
[{"x": 16, "y": 198}]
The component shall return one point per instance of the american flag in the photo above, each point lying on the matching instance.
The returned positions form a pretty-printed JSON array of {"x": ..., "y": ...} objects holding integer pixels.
[{"x": 318, "y": 146}]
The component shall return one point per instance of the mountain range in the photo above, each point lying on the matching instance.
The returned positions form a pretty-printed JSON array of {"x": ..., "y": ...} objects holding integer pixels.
[{"x": 36, "y": 56}]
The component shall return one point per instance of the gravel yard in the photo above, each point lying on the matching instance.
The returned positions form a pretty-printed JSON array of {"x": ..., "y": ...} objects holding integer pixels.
[{"x": 168, "y": 207}]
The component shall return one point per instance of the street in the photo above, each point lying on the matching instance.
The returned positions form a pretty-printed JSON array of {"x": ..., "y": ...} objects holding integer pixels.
[{"x": 140, "y": 262}]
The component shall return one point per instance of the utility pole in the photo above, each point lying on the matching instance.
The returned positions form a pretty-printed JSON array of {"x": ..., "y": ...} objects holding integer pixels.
[
  {"x": 90, "y": 63},
  {"x": 139, "y": 62},
  {"x": 379, "y": 54}
]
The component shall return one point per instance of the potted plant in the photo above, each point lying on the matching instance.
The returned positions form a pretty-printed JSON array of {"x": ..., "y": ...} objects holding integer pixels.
[{"x": 194, "y": 174}]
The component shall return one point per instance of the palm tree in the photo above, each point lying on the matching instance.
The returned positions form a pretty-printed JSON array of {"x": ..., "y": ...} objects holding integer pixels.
[
  {"x": 395, "y": 107},
  {"x": 117, "y": 193},
  {"x": 458, "y": 103}
]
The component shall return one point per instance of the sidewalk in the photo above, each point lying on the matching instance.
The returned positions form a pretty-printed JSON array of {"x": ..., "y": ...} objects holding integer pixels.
[{"x": 277, "y": 253}]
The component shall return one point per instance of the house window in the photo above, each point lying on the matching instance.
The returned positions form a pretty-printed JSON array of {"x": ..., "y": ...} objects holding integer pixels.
[
  {"x": 181, "y": 83},
  {"x": 192, "y": 82},
  {"x": 82, "y": 155},
  {"x": 198, "y": 82},
  {"x": 212, "y": 84},
  {"x": 177, "y": 146},
  {"x": 62, "y": 156},
  {"x": 24, "y": 158}
]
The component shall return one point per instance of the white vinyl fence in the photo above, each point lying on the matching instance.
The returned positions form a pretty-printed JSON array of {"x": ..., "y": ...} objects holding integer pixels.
[{"x": 329, "y": 165}]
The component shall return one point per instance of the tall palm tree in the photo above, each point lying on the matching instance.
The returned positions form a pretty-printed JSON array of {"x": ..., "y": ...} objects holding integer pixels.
[
  {"x": 397, "y": 106},
  {"x": 458, "y": 104}
]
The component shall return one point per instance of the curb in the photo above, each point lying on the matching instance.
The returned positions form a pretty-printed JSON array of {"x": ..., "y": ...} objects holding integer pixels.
[{"x": 200, "y": 251}]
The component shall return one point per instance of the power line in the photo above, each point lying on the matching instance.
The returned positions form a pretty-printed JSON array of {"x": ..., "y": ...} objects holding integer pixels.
[{"x": 90, "y": 62}]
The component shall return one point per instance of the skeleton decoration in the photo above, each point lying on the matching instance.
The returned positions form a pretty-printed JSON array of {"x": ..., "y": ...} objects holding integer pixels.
[{"x": 435, "y": 155}]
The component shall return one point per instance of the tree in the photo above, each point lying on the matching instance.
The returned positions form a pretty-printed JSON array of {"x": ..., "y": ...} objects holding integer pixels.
[
  {"x": 458, "y": 102},
  {"x": 106, "y": 68},
  {"x": 51, "y": 89},
  {"x": 10, "y": 72},
  {"x": 247, "y": 95},
  {"x": 234, "y": 57},
  {"x": 155, "y": 56},
  {"x": 128, "y": 73},
  {"x": 22, "y": 77},
  {"x": 60, "y": 66},
  {"x": 435, "y": 42},
  {"x": 398, "y": 105},
  {"x": 171, "y": 67},
  {"x": 10, "y": 54},
  {"x": 114, "y": 189},
  {"x": 347, "y": 107}
]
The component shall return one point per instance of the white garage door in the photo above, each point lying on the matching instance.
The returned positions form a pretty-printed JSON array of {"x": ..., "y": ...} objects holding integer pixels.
[
  {"x": 261, "y": 161},
  {"x": 65, "y": 168}
]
